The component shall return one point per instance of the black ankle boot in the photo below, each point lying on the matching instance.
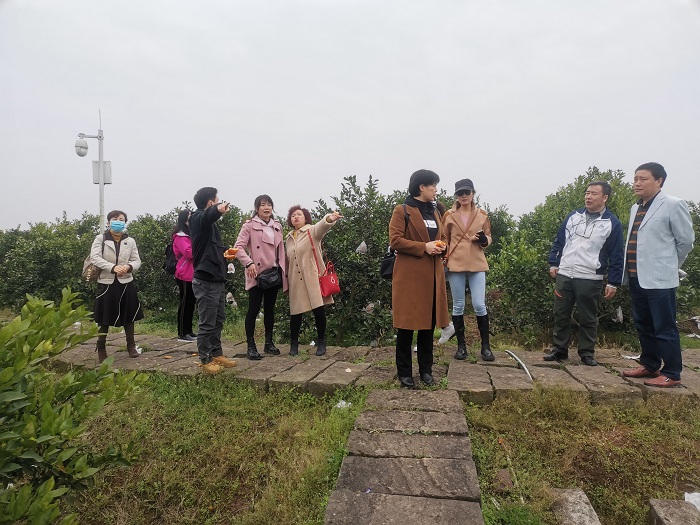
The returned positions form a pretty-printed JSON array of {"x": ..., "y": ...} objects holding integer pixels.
[
  {"x": 252, "y": 352},
  {"x": 458, "y": 322},
  {"x": 482, "y": 321},
  {"x": 321, "y": 348},
  {"x": 294, "y": 348},
  {"x": 270, "y": 347}
]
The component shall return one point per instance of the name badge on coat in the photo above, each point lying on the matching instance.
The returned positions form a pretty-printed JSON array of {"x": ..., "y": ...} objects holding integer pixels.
[{"x": 429, "y": 223}]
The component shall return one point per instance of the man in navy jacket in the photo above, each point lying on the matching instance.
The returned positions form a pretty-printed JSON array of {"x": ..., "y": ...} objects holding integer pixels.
[{"x": 589, "y": 243}]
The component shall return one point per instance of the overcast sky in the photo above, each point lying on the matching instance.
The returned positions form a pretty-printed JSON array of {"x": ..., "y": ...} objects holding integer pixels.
[{"x": 288, "y": 97}]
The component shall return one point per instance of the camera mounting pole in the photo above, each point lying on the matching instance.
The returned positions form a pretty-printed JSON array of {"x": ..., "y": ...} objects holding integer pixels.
[{"x": 81, "y": 148}]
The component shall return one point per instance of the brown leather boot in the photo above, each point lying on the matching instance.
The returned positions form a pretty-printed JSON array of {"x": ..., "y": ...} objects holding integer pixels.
[
  {"x": 130, "y": 341},
  {"x": 101, "y": 348}
]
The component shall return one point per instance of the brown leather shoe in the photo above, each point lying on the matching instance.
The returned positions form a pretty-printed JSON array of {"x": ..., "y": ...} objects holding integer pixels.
[
  {"x": 640, "y": 371},
  {"x": 663, "y": 382}
]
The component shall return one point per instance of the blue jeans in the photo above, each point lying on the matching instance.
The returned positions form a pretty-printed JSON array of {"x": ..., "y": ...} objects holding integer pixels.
[
  {"x": 211, "y": 302},
  {"x": 654, "y": 314},
  {"x": 477, "y": 287}
]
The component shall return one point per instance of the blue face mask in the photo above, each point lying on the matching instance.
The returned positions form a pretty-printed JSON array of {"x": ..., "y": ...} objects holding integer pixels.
[{"x": 117, "y": 226}]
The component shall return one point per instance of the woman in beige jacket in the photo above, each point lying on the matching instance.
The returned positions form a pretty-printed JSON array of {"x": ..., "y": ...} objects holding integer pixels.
[
  {"x": 117, "y": 303},
  {"x": 304, "y": 265},
  {"x": 468, "y": 232}
]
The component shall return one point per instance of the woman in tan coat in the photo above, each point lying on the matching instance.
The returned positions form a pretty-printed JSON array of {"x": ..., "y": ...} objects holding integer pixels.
[
  {"x": 468, "y": 232},
  {"x": 419, "y": 298},
  {"x": 304, "y": 265}
]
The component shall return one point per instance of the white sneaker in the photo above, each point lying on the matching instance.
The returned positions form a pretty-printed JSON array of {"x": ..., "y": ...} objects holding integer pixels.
[{"x": 446, "y": 334}]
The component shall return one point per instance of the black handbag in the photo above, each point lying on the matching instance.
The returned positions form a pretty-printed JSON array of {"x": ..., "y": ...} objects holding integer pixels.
[
  {"x": 272, "y": 277},
  {"x": 386, "y": 269}
]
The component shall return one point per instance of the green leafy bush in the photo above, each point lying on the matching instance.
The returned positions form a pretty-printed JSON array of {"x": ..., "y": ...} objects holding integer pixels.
[{"x": 43, "y": 412}]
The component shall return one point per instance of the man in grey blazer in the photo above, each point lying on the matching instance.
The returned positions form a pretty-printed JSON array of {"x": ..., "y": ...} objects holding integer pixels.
[{"x": 659, "y": 238}]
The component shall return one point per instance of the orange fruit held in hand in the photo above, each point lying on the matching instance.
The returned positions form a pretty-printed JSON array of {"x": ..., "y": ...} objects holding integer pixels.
[
  {"x": 440, "y": 244},
  {"x": 230, "y": 253}
]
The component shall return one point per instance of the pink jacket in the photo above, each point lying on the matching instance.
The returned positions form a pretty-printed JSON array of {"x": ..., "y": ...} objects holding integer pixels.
[
  {"x": 255, "y": 246},
  {"x": 182, "y": 247}
]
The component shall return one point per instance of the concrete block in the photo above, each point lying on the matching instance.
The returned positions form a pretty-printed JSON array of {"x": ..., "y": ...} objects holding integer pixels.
[
  {"x": 509, "y": 380},
  {"x": 340, "y": 374},
  {"x": 471, "y": 382},
  {"x": 673, "y": 512},
  {"x": 425, "y": 400},
  {"x": 299, "y": 375},
  {"x": 572, "y": 507},
  {"x": 400, "y": 445},
  {"x": 350, "y": 508},
  {"x": 412, "y": 422},
  {"x": 604, "y": 386},
  {"x": 428, "y": 477}
]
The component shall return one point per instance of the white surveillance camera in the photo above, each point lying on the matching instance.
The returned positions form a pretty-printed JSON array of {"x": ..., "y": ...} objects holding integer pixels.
[{"x": 81, "y": 147}]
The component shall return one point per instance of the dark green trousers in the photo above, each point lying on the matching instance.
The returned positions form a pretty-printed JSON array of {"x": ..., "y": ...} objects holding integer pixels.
[{"x": 585, "y": 294}]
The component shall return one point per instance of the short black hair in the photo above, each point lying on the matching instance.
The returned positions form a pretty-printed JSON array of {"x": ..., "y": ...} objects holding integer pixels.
[
  {"x": 258, "y": 202},
  {"x": 421, "y": 177},
  {"x": 656, "y": 169},
  {"x": 116, "y": 213},
  {"x": 607, "y": 189},
  {"x": 203, "y": 196}
]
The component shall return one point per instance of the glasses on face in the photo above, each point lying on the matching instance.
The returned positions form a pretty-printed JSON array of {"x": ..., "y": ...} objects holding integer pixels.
[{"x": 462, "y": 193}]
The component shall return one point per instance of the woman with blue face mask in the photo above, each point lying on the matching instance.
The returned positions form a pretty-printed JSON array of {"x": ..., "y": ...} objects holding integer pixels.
[{"x": 117, "y": 303}]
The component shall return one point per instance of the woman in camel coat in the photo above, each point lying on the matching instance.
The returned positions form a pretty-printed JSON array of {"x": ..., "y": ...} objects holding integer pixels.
[
  {"x": 468, "y": 233},
  {"x": 304, "y": 265},
  {"x": 419, "y": 298}
]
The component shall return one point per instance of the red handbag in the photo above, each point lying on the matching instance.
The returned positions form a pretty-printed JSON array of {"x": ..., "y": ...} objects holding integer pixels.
[{"x": 328, "y": 280}]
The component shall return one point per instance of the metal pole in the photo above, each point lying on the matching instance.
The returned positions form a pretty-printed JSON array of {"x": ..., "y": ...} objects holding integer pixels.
[{"x": 101, "y": 175}]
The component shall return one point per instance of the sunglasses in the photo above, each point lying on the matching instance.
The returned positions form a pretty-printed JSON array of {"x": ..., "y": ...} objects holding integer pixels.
[{"x": 462, "y": 193}]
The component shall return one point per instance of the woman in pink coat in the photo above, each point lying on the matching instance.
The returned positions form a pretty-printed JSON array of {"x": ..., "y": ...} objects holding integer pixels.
[
  {"x": 261, "y": 247},
  {"x": 182, "y": 248}
]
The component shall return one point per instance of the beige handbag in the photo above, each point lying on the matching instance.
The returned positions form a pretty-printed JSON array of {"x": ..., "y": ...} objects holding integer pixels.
[{"x": 91, "y": 272}]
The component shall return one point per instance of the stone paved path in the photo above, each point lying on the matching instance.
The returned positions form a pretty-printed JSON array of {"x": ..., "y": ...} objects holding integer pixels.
[
  {"x": 409, "y": 461},
  {"x": 478, "y": 382},
  {"x": 409, "y": 455}
]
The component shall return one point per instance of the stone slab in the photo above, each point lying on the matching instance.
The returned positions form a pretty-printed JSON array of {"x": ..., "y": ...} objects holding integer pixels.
[
  {"x": 572, "y": 507},
  {"x": 673, "y": 512},
  {"x": 650, "y": 391},
  {"x": 505, "y": 379},
  {"x": 425, "y": 400},
  {"x": 350, "y": 508},
  {"x": 352, "y": 354},
  {"x": 427, "y": 477},
  {"x": 472, "y": 382},
  {"x": 691, "y": 381},
  {"x": 377, "y": 375},
  {"x": 412, "y": 422},
  {"x": 258, "y": 375},
  {"x": 604, "y": 386},
  {"x": 146, "y": 362},
  {"x": 381, "y": 354},
  {"x": 81, "y": 355},
  {"x": 340, "y": 374},
  {"x": 691, "y": 357},
  {"x": 502, "y": 359},
  {"x": 533, "y": 358},
  {"x": 553, "y": 377},
  {"x": 400, "y": 445},
  {"x": 299, "y": 375}
]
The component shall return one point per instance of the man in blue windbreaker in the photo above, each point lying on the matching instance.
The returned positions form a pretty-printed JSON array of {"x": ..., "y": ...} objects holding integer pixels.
[{"x": 589, "y": 243}]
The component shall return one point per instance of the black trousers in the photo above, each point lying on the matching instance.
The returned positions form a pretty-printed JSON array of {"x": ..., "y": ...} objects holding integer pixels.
[
  {"x": 319, "y": 316},
  {"x": 256, "y": 298},
  {"x": 185, "y": 308}
]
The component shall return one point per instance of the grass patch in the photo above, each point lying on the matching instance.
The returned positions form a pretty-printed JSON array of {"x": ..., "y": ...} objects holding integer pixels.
[
  {"x": 621, "y": 456},
  {"x": 213, "y": 450}
]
